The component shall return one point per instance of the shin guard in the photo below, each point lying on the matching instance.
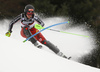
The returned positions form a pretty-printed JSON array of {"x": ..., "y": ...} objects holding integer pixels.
[{"x": 51, "y": 46}]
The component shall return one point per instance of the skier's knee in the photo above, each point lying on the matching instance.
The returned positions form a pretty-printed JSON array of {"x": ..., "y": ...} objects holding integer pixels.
[{"x": 44, "y": 42}]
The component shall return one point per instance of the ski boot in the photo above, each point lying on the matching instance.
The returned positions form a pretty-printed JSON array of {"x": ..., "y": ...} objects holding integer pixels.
[
  {"x": 62, "y": 55},
  {"x": 37, "y": 45}
]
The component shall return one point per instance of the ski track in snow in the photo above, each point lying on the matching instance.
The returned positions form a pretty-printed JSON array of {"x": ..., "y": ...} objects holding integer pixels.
[{"x": 70, "y": 45}]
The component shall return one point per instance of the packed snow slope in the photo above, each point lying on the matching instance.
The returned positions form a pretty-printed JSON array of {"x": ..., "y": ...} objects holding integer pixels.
[
  {"x": 16, "y": 56},
  {"x": 70, "y": 45}
]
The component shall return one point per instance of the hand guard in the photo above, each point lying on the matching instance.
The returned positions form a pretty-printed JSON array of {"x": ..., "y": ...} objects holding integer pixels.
[
  {"x": 8, "y": 34},
  {"x": 38, "y": 26}
]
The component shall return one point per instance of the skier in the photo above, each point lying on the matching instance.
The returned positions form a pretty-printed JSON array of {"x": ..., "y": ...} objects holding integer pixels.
[{"x": 27, "y": 18}]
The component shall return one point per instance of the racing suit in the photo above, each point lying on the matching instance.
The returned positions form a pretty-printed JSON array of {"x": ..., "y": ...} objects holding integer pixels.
[{"x": 27, "y": 29}]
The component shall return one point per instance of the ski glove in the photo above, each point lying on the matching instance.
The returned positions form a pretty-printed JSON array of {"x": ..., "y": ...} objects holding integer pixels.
[
  {"x": 8, "y": 34},
  {"x": 38, "y": 26}
]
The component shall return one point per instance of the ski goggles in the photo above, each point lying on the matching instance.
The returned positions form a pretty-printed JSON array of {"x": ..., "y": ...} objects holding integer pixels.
[{"x": 30, "y": 12}]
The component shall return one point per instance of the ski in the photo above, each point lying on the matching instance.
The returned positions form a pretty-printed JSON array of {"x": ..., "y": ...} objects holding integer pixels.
[
  {"x": 40, "y": 46},
  {"x": 67, "y": 57}
]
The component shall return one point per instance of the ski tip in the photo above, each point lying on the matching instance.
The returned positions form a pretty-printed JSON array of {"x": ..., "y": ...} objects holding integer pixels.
[{"x": 69, "y": 58}]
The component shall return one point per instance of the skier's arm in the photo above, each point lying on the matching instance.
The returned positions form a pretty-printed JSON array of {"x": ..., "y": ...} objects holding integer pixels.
[
  {"x": 17, "y": 18},
  {"x": 39, "y": 20}
]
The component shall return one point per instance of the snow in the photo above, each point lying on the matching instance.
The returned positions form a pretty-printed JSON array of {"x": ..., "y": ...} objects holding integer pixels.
[{"x": 16, "y": 56}]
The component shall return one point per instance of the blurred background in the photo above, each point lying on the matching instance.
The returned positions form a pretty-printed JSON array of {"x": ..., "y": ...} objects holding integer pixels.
[{"x": 79, "y": 11}]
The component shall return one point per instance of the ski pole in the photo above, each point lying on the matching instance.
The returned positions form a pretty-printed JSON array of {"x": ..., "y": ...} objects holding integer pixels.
[
  {"x": 68, "y": 33},
  {"x": 45, "y": 29},
  {"x": 37, "y": 26}
]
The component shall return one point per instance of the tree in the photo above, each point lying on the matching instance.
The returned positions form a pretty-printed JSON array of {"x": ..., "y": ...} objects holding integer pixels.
[
  {"x": 45, "y": 7},
  {"x": 83, "y": 10}
]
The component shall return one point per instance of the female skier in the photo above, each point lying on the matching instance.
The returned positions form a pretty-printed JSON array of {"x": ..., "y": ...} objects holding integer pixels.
[{"x": 28, "y": 19}]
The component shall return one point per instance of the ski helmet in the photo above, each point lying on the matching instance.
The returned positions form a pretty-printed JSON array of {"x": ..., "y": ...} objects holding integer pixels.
[{"x": 29, "y": 9}]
